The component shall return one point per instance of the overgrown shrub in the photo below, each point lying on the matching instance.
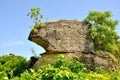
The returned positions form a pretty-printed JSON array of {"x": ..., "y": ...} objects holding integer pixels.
[
  {"x": 11, "y": 65},
  {"x": 103, "y": 31},
  {"x": 64, "y": 69}
]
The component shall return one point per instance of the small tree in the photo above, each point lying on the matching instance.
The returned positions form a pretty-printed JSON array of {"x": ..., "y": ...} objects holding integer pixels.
[
  {"x": 103, "y": 30},
  {"x": 37, "y": 16}
]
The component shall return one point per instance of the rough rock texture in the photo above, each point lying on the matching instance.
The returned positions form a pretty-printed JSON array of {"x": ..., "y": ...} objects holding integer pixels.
[
  {"x": 72, "y": 39},
  {"x": 97, "y": 61},
  {"x": 64, "y": 36},
  {"x": 91, "y": 61}
]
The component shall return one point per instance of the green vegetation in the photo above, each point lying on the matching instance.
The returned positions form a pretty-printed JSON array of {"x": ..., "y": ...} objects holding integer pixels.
[
  {"x": 103, "y": 31},
  {"x": 75, "y": 19},
  {"x": 37, "y": 16},
  {"x": 11, "y": 65},
  {"x": 62, "y": 69}
]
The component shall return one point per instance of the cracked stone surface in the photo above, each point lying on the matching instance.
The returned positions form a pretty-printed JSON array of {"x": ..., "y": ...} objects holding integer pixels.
[{"x": 64, "y": 36}]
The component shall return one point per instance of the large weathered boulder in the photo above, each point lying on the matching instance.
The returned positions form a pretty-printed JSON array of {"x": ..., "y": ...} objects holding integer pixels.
[
  {"x": 71, "y": 38},
  {"x": 92, "y": 61},
  {"x": 64, "y": 36}
]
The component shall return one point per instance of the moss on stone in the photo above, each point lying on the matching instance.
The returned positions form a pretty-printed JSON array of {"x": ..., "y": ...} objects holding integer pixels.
[
  {"x": 41, "y": 42},
  {"x": 47, "y": 58}
]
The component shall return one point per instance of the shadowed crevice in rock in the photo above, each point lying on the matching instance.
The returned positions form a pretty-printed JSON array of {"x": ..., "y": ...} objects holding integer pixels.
[{"x": 39, "y": 41}]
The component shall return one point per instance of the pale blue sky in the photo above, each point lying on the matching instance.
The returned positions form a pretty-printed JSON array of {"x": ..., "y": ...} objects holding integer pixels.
[{"x": 14, "y": 24}]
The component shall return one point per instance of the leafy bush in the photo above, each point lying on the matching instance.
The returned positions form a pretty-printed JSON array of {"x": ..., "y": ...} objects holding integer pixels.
[
  {"x": 72, "y": 65},
  {"x": 3, "y": 75},
  {"x": 11, "y": 65},
  {"x": 103, "y": 30},
  {"x": 64, "y": 69}
]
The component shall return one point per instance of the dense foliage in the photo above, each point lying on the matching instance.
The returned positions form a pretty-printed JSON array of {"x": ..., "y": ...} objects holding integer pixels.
[
  {"x": 11, "y": 65},
  {"x": 62, "y": 69},
  {"x": 103, "y": 30}
]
